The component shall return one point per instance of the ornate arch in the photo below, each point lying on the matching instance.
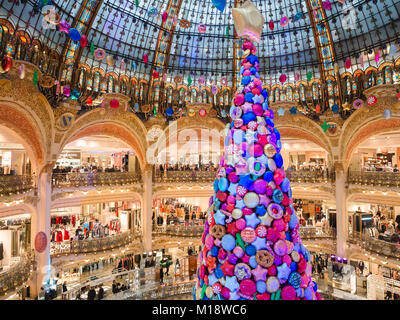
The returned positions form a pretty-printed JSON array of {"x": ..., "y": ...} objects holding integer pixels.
[
  {"x": 121, "y": 125},
  {"x": 367, "y": 122},
  {"x": 304, "y": 128}
]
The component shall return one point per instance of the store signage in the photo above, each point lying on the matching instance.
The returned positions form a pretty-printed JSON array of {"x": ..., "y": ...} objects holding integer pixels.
[{"x": 70, "y": 155}]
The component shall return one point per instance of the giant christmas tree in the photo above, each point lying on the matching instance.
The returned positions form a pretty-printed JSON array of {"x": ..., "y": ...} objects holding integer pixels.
[{"x": 251, "y": 248}]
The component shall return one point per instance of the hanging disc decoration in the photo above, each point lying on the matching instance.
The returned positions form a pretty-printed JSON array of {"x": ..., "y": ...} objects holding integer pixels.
[
  {"x": 371, "y": 100},
  {"x": 387, "y": 114},
  {"x": 99, "y": 54},
  {"x": 358, "y": 103},
  {"x": 284, "y": 21},
  {"x": 202, "y": 28},
  {"x": 114, "y": 103},
  {"x": 46, "y": 82},
  {"x": 202, "y": 112},
  {"x": 178, "y": 79},
  {"x": 169, "y": 112},
  {"x": 6, "y": 64},
  {"x": 83, "y": 41},
  {"x": 40, "y": 242}
]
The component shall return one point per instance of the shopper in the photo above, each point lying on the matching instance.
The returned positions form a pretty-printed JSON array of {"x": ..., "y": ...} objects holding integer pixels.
[
  {"x": 114, "y": 288},
  {"x": 91, "y": 294},
  {"x": 161, "y": 275},
  {"x": 100, "y": 294}
]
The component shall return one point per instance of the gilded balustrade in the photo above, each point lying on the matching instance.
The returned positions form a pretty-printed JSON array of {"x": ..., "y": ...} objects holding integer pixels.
[
  {"x": 76, "y": 179},
  {"x": 18, "y": 274},
  {"x": 385, "y": 248},
  {"x": 185, "y": 176},
  {"x": 15, "y": 184},
  {"x": 375, "y": 178}
]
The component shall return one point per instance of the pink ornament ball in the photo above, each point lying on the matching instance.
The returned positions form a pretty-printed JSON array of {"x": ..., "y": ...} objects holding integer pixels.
[{"x": 114, "y": 103}]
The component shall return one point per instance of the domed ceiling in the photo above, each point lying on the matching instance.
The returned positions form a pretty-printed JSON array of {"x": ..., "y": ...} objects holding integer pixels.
[{"x": 308, "y": 35}]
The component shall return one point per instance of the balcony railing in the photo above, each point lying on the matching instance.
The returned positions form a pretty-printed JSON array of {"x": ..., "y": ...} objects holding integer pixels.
[
  {"x": 18, "y": 274},
  {"x": 185, "y": 176},
  {"x": 15, "y": 184},
  {"x": 180, "y": 231},
  {"x": 309, "y": 233},
  {"x": 375, "y": 178},
  {"x": 93, "y": 245},
  {"x": 388, "y": 249},
  {"x": 305, "y": 176},
  {"x": 75, "y": 179}
]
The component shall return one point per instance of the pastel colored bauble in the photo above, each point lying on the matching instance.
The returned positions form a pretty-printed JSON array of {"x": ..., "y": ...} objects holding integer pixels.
[
  {"x": 238, "y": 123},
  {"x": 277, "y": 196},
  {"x": 202, "y": 28},
  {"x": 275, "y": 211},
  {"x": 237, "y": 213},
  {"x": 253, "y": 262},
  {"x": 273, "y": 284},
  {"x": 248, "y": 235},
  {"x": 269, "y": 150},
  {"x": 240, "y": 224},
  {"x": 285, "y": 185},
  {"x": 295, "y": 280},
  {"x": 271, "y": 165},
  {"x": 261, "y": 286},
  {"x": 223, "y": 184},
  {"x": 260, "y": 186},
  {"x": 288, "y": 293},
  {"x": 241, "y": 191},
  {"x": 280, "y": 248},
  {"x": 308, "y": 293},
  {"x": 242, "y": 271},
  {"x": 238, "y": 251},
  {"x": 248, "y": 287},
  {"x": 228, "y": 242},
  {"x": 279, "y": 225},
  {"x": 256, "y": 150},
  {"x": 233, "y": 177},
  {"x": 238, "y": 136},
  {"x": 251, "y": 199},
  {"x": 236, "y": 113},
  {"x": 258, "y": 110},
  {"x": 257, "y": 168},
  {"x": 209, "y": 292}
]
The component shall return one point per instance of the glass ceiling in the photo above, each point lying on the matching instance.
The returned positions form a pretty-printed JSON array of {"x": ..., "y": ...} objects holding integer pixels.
[{"x": 127, "y": 31}]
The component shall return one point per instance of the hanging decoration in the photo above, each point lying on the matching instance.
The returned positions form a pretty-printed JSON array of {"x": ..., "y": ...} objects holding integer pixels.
[
  {"x": 271, "y": 25},
  {"x": 92, "y": 49},
  {"x": 377, "y": 55},
  {"x": 392, "y": 50},
  {"x": 214, "y": 90},
  {"x": 202, "y": 112},
  {"x": 281, "y": 111},
  {"x": 83, "y": 41},
  {"x": 325, "y": 126},
  {"x": 114, "y": 103},
  {"x": 219, "y": 4},
  {"x": 169, "y": 112},
  {"x": 164, "y": 16},
  {"x": 398, "y": 95},
  {"x": 22, "y": 71},
  {"x": 202, "y": 28},
  {"x": 89, "y": 101},
  {"x": 136, "y": 107},
  {"x": 152, "y": 12},
  {"x": 40, "y": 242},
  {"x": 122, "y": 66},
  {"x": 137, "y": 3},
  {"x": 309, "y": 76},
  {"x": 371, "y": 100},
  {"x": 224, "y": 81},
  {"x": 134, "y": 66},
  {"x": 99, "y": 54},
  {"x": 284, "y": 21},
  {"x": 35, "y": 77},
  {"x": 387, "y": 114},
  {"x": 327, "y": 5},
  {"x": 335, "y": 108},
  {"x": 191, "y": 112},
  {"x": 282, "y": 78},
  {"x": 6, "y": 64},
  {"x": 248, "y": 21},
  {"x": 358, "y": 103},
  {"x": 178, "y": 79},
  {"x": 298, "y": 16},
  {"x": 74, "y": 34},
  {"x": 63, "y": 26},
  {"x": 227, "y": 31},
  {"x": 348, "y": 63},
  {"x": 110, "y": 61},
  {"x": 145, "y": 58},
  {"x": 189, "y": 80},
  {"x": 66, "y": 91},
  {"x": 202, "y": 80},
  {"x": 293, "y": 110},
  {"x": 75, "y": 94},
  {"x": 297, "y": 76},
  {"x": 223, "y": 113},
  {"x": 362, "y": 60},
  {"x": 317, "y": 109},
  {"x": 57, "y": 83},
  {"x": 156, "y": 74}
]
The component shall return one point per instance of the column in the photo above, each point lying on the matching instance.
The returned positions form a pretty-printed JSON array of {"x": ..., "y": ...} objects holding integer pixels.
[
  {"x": 147, "y": 209},
  {"x": 341, "y": 213},
  {"x": 41, "y": 223}
]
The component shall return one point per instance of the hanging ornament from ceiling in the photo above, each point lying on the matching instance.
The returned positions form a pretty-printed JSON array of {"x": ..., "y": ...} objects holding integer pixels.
[
  {"x": 164, "y": 16},
  {"x": 317, "y": 109},
  {"x": 152, "y": 12},
  {"x": 202, "y": 80},
  {"x": 335, "y": 108},
  {"x": 83, "y": 41},
  {"x": 202, "y": 112},
  {"x": 169, "y": 112},
  {"x": 178, "y": 79},
  {"x": 327, "y": 5},
  {"x": 371, "y": 100},
  {"x": 282, "y": 78},
  {"x": 6, "y": 63},
  {"x": 74, "y": 34},
  {"x": 156, "y": 74},
  {"x": 134, "y": 66},
  {"x": 114, "y": 103},
  {"x": 224, "y": 81},
  {"x": 66, "y": 90},
  {"x": 189, "y": 80},
  {"x": 297, "y": 76},
  {"x": 75, "y": 94},
  {"x": 89, "y": 101},
  {"x": 309, "y": 76},
  {"x": 358, "y": 103},
  {"x": 92, "y": 49},
  {"x": 63, "y": 26},
  {"x": 137, "y": 3},
  {"x": 387, "y": 114},
  {"x": 377, "y": 55},
  {"x": 35, "y": 77},
  {"x": 122, "y": 64},
  {"x": 348, "y": 63},
  {"x": 223, "y": 113},
  {"x": 219, "y": 4},
  {"x": 110, "y": 61},
  {"x": 99, "y": 54},
  {"x": 145, "y": 58},
  {"x": 284, "y": 21},
  {"x": 227, "y": 31},
  {"x": 22, "y": 71},
  {"x": 214, "y": 90},
  {"x": 271, "y": 25},
  {"x": 298, "y": 16},
  {"x": 202, "y": 28}
]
